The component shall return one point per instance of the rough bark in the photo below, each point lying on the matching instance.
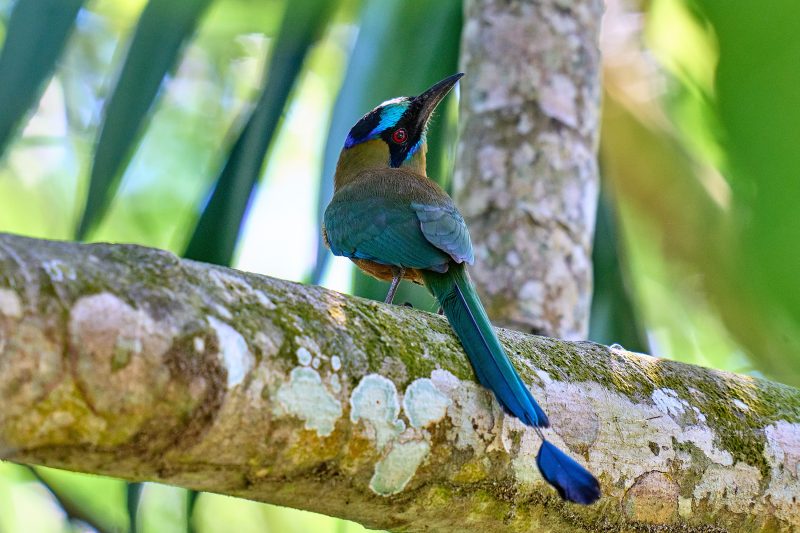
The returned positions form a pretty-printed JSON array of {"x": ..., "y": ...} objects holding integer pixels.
[
  {"x": 526, "y": 173},
  {"x": 126, "y": 361}
]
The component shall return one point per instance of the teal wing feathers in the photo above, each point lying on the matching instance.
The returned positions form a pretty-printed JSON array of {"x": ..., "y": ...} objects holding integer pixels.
[
  {"x": 381, "y": 231},
  {"x": 444, "y": 227},
  {"x": 396, "y": 218}
]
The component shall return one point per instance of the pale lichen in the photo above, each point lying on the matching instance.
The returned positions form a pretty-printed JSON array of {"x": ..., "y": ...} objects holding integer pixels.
[
  {"x": 268, "y": 339},
  {"x": 393, "y": 472},
  {"x": 335, "y": 383},
  {"x": 740, "y": 405},
  {"x": 265, "y": 302},
  {"x": 669, "y": 402},
  {"x": 472, "y": 411},
  {"x": 303, "y": 356},
  {"x": 375, "y": 401},
  {"x": 223, "y": 311},
  {"x": 783, "y": 455},
  {"x": 10, "y": 304},
  {"x": 235, "y": 354},
  {"x": 306, "y": 397},
  {"x": 59, "y": 271},
  {"x": 234, "y": 287},
  {"x": 684, "y": 507},
  {"x": 424, "y": 404},
  {"x": 557, "y": 99},
  {"x": 522, "y": 445},
  {"x": 199, "y": 345},
  {"x": 706, "y": 439},
  {"x": 306, "y": 346},
  {"x": 647, "y": 434}
]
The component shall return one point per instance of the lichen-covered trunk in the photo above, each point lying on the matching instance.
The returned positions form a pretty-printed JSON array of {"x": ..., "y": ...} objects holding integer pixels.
[
  {"x": 127, "y": 361},
  {"x": 526, "y": 173}
]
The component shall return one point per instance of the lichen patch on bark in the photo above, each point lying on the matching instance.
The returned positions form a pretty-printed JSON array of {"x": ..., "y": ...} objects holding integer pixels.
[
  {"x": 393, "y": 472},
  {"x": 235, "y": 354},
  {"x": 783, "y": 456},
  {"x": 306, "y": 397},
  {"x": 670, "y": 403},
  {"x": 10, "y": 304},
  {"x": 424, "y": 404},
  {"x": 472, "y": 411},
  {"x": 375, "y": 402},
  {"x": 59, "y": 271},
  {"x": 303, "y": 356}
]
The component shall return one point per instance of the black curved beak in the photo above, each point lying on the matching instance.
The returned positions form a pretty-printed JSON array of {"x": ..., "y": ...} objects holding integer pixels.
[{"x": 431, "y": 98}]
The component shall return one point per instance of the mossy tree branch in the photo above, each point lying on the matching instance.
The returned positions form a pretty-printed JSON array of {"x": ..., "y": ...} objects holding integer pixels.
[{"x": 127, "y": 361}]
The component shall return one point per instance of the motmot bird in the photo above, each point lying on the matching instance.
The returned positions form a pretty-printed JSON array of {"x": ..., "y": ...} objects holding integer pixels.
[{"x": 395, "y": 223}]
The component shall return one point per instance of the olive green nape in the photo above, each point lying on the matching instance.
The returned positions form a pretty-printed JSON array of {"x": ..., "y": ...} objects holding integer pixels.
[{"x": 372, "y": 154}]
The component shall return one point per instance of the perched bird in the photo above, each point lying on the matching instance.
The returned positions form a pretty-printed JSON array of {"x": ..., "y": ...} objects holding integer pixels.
[{"x": 392, "y": 221}]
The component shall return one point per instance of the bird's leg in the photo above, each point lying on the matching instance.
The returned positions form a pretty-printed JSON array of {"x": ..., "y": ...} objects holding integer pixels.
[{"x": 397, "y": 273}]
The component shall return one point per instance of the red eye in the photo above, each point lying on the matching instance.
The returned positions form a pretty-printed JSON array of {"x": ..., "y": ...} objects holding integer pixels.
[{"x": 399, "y": 136}]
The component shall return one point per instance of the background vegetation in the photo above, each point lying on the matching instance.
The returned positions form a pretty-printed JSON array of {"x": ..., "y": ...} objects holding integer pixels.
[{"x": 211, "y": 128}]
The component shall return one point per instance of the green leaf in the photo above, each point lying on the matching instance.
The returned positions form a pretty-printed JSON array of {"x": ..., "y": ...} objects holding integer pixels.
[
  {"x": 133, "y": 497},
  {"x": 758, "y": 96},
  {"x": 215, "y": 235},
  {"x": 163, "y": 28},
  {"x": 95, "y": 500},
  {"x": 613, "y": 318},
  {"x": 191, "y": 503},
  {"x": 403, "y": 47},
  {"x": 36, "y": 37},
  {"x": 758, "y": 110}
]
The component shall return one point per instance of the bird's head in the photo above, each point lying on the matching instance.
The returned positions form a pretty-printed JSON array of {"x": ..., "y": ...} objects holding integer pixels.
[{"x": 393, "y": 134}]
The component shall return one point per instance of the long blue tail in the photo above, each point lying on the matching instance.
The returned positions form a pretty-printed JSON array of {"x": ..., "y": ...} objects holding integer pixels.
[{"x": 494, "y": 370}]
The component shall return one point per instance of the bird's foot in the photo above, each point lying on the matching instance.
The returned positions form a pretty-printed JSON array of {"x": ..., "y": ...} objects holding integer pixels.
[{"x": 396, "y": 278}]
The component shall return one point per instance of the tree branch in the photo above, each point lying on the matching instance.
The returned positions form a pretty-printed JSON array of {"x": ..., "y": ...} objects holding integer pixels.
[
  {"x": 127, "y": 361},
  {"x": 526, "y": 174}
]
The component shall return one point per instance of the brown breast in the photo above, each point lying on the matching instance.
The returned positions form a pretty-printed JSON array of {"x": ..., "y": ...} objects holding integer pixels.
[{"x": 384, "y": 272}]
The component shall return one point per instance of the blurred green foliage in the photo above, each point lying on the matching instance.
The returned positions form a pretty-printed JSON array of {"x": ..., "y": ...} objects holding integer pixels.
[
  {"x": 701, "y": 159},
  {"x": 217, "y": 231},
  {"x": 37, "y": 32},
  {"x": 154, "y": 50},
  {"x": 217, "y": 123},
  {"x": 757, "y": 105}
]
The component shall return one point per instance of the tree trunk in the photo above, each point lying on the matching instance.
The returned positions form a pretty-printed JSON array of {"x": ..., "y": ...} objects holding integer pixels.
[
  {"x": 526, "y": 173},
  {"x": 126, "y": 361}
]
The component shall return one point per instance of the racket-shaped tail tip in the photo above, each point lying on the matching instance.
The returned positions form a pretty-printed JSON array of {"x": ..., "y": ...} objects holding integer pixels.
[{"x": 572, "y": 481}]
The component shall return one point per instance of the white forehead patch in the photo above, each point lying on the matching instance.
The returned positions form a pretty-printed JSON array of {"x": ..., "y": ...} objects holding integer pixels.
[{"x": 399, "y": 100}]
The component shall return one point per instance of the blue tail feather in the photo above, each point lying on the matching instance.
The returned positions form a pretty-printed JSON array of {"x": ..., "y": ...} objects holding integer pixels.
[
  {"x": 572, "y": 481},
  {"x": 492, "y": 366},
  {"x": 495, "y": 371}
]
